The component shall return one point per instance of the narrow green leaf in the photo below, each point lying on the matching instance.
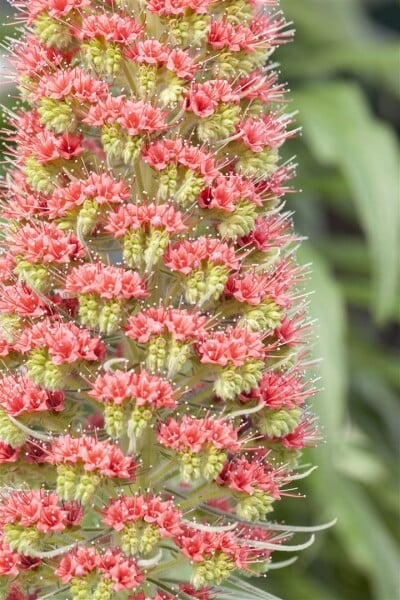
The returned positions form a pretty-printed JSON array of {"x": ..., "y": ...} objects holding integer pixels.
[
  {"x": 342, "y": 133},
  {"x": 327, "y": 307},
  {"x": 365, "y": 539}
]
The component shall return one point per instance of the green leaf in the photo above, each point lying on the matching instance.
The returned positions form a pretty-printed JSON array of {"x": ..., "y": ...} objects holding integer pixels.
[
  {"x": 341, "y": 132},
  {"x": 327, "y": 308},
  {"x": 365, "y": 540},
  {"x": 334, "y": 36}
]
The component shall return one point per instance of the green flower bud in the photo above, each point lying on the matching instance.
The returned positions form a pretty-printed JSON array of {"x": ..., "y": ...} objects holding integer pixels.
[
  {"x": 213, "y": 570},
  {"x": 113, "y": 140},
  {"x": 235, "y": 380},
  {"x": 104, "y": 590},
  {"x": 173, "y": 92},
  {"x": 10, "y": 433},
  {"x": 41, "y": 178},
  {"x": 238, "y": 12},
  {"x": 228, "y": 384},
  {"x": 88, "y": 216},
  {"x": 264, "y": 316},
  {"x": 156, "y": 354},
  {"x": 89, "y": 308},
  {"x": 102, "y": 56},
  {"x": 139, "y": 419},
  {"x": 255, "y": 507},
  {"x": 239, "y": 222},
  {"x": 190, "y": 466},
  {"x": 190, "y": 188},
  {"x": 52, "y": 32},
  {"x": 176, "y": 357},
  {"x": 56, "y": 115},
  {"x": 21, "y": 539},
  {"x": 219, "y": 125},
  {"x": 188, "y": 29},
  {"x": 147, "y": 78},
  {"x": 150, "y": 538},
  {"x": 132, "y": 148},
  {"x": 226, "y": 65},
  {"x": 35, "y": 276},
  {"x": 257, "y": 164},
  {"x": 80, "y": 588},
  {"x": 44, "y": 372},
  {"x": 214, "y": 462},
  {"x": 87, "y": 486},
  {"x": 133, "y": 247},
  {"x": 119, "y": 145},
  {"x": 110, "y": 317},
  {"x": 130, "y": 539},
  {"x": 67, "y": 481},
  {"x": 114, "y": 419},
  {"x": 10, "y": 327},
  {"x": 156, "y": 242},
  {"x": 167, "y": 182},
  {"x": 207, "y": 284},
  {"x": 277, "y": 423}
]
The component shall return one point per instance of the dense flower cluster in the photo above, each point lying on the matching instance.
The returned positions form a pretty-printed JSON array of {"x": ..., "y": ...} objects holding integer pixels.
[{"x": 153, "y": 328}]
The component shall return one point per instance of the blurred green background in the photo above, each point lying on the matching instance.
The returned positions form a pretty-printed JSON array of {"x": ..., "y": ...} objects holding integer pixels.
[{"x": 343, "y": 70}]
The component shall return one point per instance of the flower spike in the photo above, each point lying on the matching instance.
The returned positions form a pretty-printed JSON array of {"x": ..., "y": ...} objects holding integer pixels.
[{"x": 153, "y": 328}]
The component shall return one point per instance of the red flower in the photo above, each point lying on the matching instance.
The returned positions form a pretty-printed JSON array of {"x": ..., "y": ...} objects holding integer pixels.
[
  {"x": 203, "y": 98},
  {"x": 21, "y": 300},
  {"x": 247, "y": 476},
  {"x": 103, "y": 457},
  {"x": 111, "y": 27},
  {"x": 150, "y": 509},
  {"x": 102, "y": 188},
  {"x": 188, "y": 255},
  {"x": 200, "y": 545},
  {"x": 77, "y": 563},
  {"x": 106, "y": 282},
  {"x": 151, "y": 52},
  {"x": 194, "y": 434},
  {"x": 20, "y": 395},
  {"x": 76, "y": 83},
  {"x": 65, "y": 342},
  {"x": 8, "y": 454},
  {"x": 55, "y": 8},
  {"x": 143, "y": 388},
  {"x": 178, "y": 7},
  {"x": 234, "y": 345},
  {"x": 134, "y": 216},
  {"x": 227, "y": 191},
  {"x": 45, "y": 244}
]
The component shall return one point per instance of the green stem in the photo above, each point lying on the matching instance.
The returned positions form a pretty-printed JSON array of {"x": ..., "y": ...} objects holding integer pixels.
[
  {"x": 197, "y": 377},
  {"x": 148, "y": 454},
  {"x": 196, "y": 499},
  {"x": 165, "y": 470},
  {"x": 130, "y": 78},
  {"x": 168, "y": 565}
]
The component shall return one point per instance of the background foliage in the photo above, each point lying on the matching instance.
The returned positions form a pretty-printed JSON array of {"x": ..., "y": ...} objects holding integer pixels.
[{"x": 342, "y": 70}]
